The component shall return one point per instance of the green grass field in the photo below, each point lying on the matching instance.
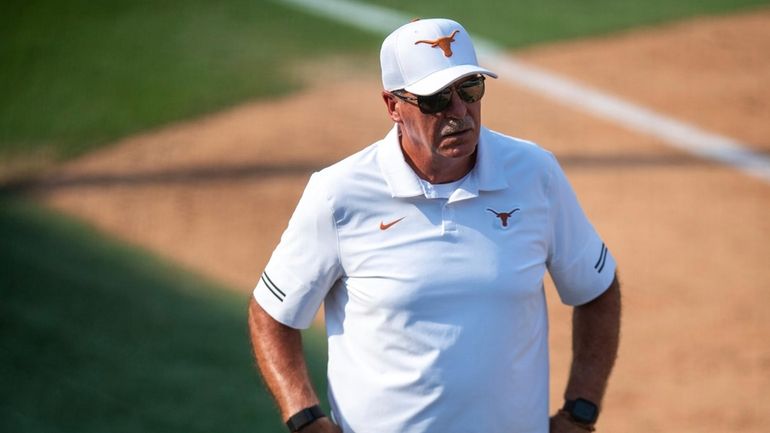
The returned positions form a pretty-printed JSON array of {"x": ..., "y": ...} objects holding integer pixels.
[
  {"x": 100, "y": 337},
  {"x": 79, "y": 74}
]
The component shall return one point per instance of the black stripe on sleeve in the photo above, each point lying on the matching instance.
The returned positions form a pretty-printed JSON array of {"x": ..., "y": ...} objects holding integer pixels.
[
  {"x": 601, "y": 254},
  {"x": 273, "y": 288},
  {"x": 599, "y": 266},
  {"x": 604, "y": 260},
  {"x": 264, "y": 274}
]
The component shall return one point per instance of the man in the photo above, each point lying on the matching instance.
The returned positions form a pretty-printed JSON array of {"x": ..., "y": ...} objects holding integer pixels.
[{"x": 429, "y": 249}]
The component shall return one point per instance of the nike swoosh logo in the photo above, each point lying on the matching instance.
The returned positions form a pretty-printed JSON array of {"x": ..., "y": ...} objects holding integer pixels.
[{"x": 384, "y": 226}]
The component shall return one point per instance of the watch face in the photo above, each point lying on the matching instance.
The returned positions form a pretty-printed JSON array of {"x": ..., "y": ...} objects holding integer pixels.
[{"x": 584, "y": 411}]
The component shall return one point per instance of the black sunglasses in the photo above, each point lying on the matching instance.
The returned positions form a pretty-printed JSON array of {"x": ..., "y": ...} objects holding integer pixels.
[{"x": 469, "y": 91}]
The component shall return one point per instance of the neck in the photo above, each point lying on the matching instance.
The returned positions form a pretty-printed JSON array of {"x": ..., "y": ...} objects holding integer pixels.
[{"x": 439, "y": 169}]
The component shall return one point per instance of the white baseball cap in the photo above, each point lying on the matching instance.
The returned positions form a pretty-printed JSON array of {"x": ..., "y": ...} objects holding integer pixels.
[{"x": 425, "y": 56}]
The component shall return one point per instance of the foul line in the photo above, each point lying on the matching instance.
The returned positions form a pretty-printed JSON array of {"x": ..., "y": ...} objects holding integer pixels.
[{"x": 681, "y": 135}]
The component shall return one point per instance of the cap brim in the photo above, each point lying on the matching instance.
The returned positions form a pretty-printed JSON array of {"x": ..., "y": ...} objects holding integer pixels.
[{"x": 440, "y": 79}]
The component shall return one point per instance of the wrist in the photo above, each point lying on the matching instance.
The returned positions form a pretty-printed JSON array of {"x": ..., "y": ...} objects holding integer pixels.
[
  {"x": 304, "y": 418},
  {"x": 580, "y": 412}
]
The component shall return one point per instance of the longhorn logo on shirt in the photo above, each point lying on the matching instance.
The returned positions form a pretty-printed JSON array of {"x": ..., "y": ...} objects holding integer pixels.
[
  {"x": 445, "y": 43},
  {"x": 504, "y": 216}
]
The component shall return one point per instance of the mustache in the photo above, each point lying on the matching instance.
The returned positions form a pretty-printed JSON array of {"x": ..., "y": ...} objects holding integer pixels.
[{"x": 453, "y": 126}]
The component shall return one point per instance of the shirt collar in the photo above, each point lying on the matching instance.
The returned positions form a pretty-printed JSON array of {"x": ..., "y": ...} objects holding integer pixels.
[{"x": 486, "y": 175}]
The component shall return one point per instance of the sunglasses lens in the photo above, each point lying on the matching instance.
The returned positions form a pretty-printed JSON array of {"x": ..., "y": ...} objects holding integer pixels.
[
  {"x": 471, "y": 90},
  {"x": 434, "y": 103}
]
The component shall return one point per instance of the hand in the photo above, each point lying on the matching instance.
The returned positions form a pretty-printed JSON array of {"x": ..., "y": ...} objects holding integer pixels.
[
  {"x": 321, "y": 425},
  {"x": 561, "y": 423}
]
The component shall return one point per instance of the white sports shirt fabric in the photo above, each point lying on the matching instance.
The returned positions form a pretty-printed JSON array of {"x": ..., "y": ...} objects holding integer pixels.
[{"x": 436, "y": 322}]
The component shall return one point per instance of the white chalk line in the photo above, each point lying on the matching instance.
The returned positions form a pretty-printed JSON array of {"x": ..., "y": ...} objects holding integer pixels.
[{"x": 678, "y": 134}]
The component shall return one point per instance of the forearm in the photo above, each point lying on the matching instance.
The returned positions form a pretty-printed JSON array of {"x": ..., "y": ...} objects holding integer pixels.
[
  {"x": 595, "y": 340},
  {"x": 279, "y": 356}
]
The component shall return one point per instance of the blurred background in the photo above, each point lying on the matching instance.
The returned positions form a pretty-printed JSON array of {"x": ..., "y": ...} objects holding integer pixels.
[{"x": 152, "y": 152}]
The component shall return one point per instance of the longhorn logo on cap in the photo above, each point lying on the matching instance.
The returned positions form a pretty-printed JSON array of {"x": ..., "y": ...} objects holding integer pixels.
[{"x": 445, "y": 43}]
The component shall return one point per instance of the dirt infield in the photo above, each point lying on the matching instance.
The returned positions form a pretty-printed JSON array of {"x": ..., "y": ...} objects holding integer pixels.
[{"x": 692, "y": 237}]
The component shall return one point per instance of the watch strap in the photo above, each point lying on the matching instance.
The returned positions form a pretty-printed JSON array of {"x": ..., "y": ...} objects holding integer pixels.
[
  {"x": 567, "y": 416},
  {"x": 304, "y": 417}
]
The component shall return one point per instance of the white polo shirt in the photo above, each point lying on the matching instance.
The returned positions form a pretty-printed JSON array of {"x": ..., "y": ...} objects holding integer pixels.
[{"x": 435, "y": 309}]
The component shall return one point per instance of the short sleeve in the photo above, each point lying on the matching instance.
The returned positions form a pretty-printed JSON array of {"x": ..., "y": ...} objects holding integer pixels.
[
  {"x": 305, "y": 264},
  {"x": 579, "y": 262}
]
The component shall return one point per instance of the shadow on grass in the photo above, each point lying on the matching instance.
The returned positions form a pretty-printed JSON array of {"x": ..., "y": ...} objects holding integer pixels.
[
  {"x": 256, "y": 171},
  {"x": 97, "y": 336}
]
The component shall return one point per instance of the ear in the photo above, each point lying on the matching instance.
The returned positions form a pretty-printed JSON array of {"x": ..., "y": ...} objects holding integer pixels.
[{"x": 390, "y": 103}]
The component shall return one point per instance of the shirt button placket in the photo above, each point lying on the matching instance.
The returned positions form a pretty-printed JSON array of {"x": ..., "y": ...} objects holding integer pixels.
[{"x": 448, "y": 219}]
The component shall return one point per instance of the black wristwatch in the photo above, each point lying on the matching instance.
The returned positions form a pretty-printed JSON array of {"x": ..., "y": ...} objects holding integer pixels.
[
  {"x": 304, "y": 417},
  {"x": 582, "y": 411}
]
